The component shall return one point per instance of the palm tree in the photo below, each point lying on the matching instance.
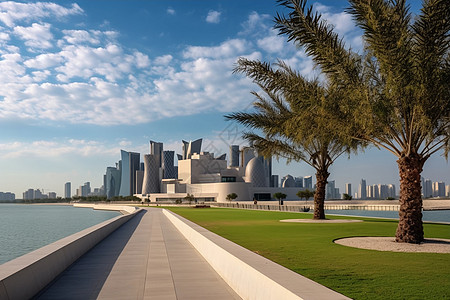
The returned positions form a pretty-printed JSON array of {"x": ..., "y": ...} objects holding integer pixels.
[
  {"x": 397, "y": 91},
  {"x": 293, "y": 119},
  {"x": 280, "y": 197}
]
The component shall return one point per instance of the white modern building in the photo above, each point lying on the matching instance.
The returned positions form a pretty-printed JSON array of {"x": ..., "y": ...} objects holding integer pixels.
[{"x": 209, "y": 178}]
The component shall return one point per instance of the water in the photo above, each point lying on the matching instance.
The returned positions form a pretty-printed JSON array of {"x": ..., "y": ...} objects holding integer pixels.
[
  {"x": 25, "y": 228},
  {"x": 431, "y": 216}
]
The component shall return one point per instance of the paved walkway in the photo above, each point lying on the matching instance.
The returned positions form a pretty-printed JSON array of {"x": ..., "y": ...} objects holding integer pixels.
[{"x": 146, "y": 258}]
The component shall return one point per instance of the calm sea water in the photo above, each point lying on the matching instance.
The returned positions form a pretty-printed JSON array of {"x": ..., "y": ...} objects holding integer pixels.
[
  {"x": 431, "y": 216},
  {"x": 24, "y": 228}
]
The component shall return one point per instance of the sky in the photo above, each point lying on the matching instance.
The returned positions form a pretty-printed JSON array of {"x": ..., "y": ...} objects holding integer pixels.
[{"x": 81, "y": 80}]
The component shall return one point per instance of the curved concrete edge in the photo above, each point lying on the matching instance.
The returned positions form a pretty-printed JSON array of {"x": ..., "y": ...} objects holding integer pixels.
[
  {"x": 124, "y": 209},
  {"x": 25, "y": 276},
  {"x": 249, "y": 274}
]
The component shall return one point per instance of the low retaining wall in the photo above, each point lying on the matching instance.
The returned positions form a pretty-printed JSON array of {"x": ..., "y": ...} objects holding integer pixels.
[
  {"x": 25, "y": 276},
  {"x": 124, "y": 209},
  {"x": 299, "y": 208},
  {"x": 250, "y": 275}
]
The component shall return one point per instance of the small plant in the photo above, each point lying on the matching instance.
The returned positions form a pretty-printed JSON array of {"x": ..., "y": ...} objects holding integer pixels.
[
  {"x": 189, "y": 198},
  {"x": 231, "y": 197},
  {"x": 280, "y": 197},
  {"x": 347, "y": 197}
]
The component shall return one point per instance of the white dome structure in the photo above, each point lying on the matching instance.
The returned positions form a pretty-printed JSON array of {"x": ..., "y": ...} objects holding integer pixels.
[{"x": 255, "y": 173}]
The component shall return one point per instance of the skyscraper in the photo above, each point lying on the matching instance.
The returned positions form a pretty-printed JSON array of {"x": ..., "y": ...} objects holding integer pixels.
[
  {"x": 348, "y": 189},
  {"x": 130, "y": 164},
  {"x": 307, "y": 180},
  {"x": 112, "y": 182},
  {"x": 234, "y": 156},
  {"x": 298, "y": 182},
  {"x": 150, "y": 182},
  {"x": 168, "y": 165},
  {"x": 362, "y": 192},
  {"x": 156, "y": 149},
  {"x": 68, "y": 190}
]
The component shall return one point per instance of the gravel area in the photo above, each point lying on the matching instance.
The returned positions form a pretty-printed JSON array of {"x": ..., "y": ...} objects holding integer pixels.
[{"x": 389, "y": 244}]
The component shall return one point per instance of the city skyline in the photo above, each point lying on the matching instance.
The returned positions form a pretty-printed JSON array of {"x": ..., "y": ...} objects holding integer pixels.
[{"x": 80, "y": 82}]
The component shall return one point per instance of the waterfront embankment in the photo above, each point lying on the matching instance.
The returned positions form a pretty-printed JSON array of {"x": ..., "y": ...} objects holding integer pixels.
[{"x": 23, "y": 277}]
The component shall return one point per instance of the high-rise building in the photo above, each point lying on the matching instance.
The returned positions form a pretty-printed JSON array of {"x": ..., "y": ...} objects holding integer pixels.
[
  {"x": 307, "y": 182},
  {"x": 247, "y": 153},
  {"x": 391, "y": 191},
  {"x": 438, "y": 189},
  {"x": 112, "y": 182},
  {"x": 150, "y": 182},
  {"x": 275, "y": 181},
  {"x": 234, "y": 156},
  {"x": 362, "y": 192},
  {"x": 68, "y": 190},
  {"x": 447, "y": 190},
  {"x": 428, "y": 189},
  {"x": 168, "y": 165},
  {"x": 51, "y": 195},
  {"x": 298, "y": 182},
  {"x": 130, "y": 164},
  {"x": 156, "y": 149},
  {"x": 348, "y": 189}
]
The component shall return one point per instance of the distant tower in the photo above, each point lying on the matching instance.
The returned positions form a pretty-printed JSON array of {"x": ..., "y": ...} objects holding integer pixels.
[
  {"x": 234, "y": 156},
  {"x": 130, "y": 164},
  {"x": 307, "y": 180},
  {"x": 156, "y": 149},
  {"x": 150, "y": 183},
  {"x": 112, "y": 182},
  {"x": 362, "y": 190},
  {"x": 298, "y": 182},
  {"x": 247, "y": 153},
  {"x": 68, "y": 190},
  {"x": 348, "y": 189},
  {"x": 288, "y": 181},
  {"x": 168, "y": 165}
]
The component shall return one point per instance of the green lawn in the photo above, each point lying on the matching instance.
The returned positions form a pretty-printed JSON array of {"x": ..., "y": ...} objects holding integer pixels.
[{"x": 308, "y": 249}]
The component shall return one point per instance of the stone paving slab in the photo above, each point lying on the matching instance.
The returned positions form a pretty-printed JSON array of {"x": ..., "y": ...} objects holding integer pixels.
[{"x": 146, "y": 258}]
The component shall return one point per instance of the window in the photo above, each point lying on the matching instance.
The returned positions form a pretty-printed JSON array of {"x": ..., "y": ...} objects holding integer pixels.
[{"x": 228, "y": 179}]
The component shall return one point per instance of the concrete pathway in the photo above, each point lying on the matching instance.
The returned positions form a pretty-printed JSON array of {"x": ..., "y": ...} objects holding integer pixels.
[{"x": 146, "y": 258}]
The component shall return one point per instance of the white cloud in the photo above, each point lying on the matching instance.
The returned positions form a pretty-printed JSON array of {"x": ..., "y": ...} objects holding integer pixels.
[
  {"x": 230, "y": 48},
  {"x": 36, "y": 36},
  {"x": 171, "y": 11},
  {"x": 11, "y": 12},
  {"x": 213, "y": 17},
  {"x": 56, "y": 149},
  {"x": 163, "y": 60},
  {"x": 272, "y": 43}
]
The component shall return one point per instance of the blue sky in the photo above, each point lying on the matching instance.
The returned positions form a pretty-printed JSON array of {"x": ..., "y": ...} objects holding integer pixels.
[{"x": 81, "y": 80}]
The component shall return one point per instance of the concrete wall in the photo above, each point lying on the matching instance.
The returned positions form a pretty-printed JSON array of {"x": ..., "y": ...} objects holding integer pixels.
[
  {"x": 250, "y": 275},
  {"x": 25, "y": 276}
]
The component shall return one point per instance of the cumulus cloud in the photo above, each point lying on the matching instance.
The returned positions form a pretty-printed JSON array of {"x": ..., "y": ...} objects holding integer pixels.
[
  {"x": 230, "y": 48},
  {"x": 35, "y": 36},
  {"x": 11, "y": 12},
  {"x": 213, "y": 17},
  {"x": 89, "y": 77}
]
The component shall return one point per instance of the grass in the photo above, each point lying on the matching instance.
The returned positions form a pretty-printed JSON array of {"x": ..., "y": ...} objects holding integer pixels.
[{"x": 308, "y": 249}]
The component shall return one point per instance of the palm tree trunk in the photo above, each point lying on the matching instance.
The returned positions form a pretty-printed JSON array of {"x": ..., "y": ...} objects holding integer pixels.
[
  {"x": 410, "y": 227},
  {"x": 319, "y": 195}
]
